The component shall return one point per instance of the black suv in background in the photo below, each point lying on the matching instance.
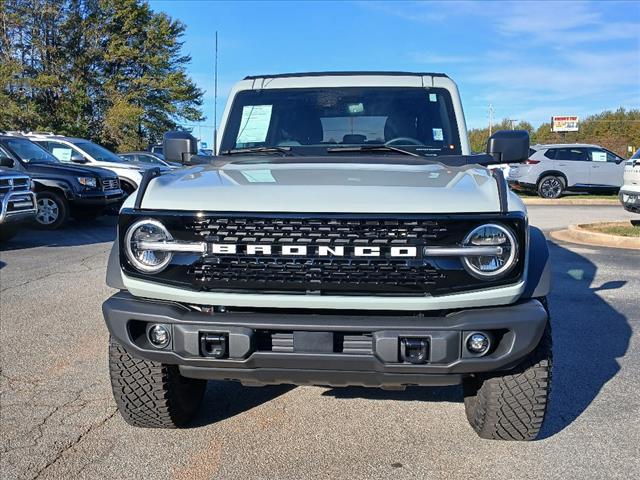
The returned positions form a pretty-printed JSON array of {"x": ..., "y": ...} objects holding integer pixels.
[{"x": 62, "y": 190}]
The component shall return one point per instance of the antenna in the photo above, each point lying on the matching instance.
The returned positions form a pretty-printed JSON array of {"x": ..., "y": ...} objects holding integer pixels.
[
  {"x": 215, "y": 99},
  {"x": 491, "y": 110}
]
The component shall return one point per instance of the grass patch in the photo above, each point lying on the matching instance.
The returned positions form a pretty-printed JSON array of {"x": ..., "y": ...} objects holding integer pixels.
[{"x": 620, "y": 229}]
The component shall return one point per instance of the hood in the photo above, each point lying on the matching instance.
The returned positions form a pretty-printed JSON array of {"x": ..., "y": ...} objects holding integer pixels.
[
  {"x": 58, "y": 169},
  {"x": 351, "y": 187}
]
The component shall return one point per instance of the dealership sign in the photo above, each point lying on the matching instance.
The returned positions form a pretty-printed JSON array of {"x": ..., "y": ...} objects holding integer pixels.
[{"x": 565, "y": 124}]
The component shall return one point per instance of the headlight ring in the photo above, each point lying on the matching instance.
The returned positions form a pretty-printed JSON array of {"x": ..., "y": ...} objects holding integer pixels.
[
  {"x": 147, "y": 261},
  {"x": 491, "y": 267}
]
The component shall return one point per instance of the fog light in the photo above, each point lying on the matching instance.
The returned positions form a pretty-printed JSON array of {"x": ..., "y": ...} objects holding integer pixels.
[
  {"x": 478, "y": 343},
  {"x": 159, "y": 336}
]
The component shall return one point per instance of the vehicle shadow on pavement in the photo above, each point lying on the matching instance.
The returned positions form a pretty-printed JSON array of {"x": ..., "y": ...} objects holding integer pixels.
[
  {"x": 416, "y": 394},
  {"x": 589, "y": 335},
  {"x": 224, "y": 400},
  {"x": 74, "y": 233}
]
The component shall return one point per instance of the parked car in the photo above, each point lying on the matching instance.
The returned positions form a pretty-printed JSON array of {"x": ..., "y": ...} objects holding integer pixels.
[
  {"x": 630, "y": 191},
  {"x": 345, "y": 236},
  {"x": 552, "y": 170},
  {"x": 17, "y": 201},
  {"x": 85, "y": 152},
  {"x": 62, "y": 190},
  {"x": 154, "y": 159}
]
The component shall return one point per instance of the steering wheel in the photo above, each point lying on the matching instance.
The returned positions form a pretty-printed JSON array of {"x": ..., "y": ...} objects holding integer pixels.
[{"x": 404, "y": 141}]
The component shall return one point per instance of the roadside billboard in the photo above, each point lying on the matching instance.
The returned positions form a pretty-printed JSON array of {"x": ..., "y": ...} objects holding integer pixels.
[{"x": 565, "y": 124}]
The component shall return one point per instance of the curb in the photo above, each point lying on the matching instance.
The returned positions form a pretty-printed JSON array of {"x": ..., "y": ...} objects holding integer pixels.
[
  {"x": 603, "y": 202},
  {"x": 578, "y": 234}
]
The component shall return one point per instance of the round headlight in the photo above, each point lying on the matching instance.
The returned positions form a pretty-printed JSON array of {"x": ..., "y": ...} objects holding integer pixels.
[
  {"x": 140, "y": 255},
  {"x": 505, "y": 254}
]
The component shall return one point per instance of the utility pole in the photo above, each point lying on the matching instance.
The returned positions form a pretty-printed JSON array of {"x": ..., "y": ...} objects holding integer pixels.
[
  {"x": 513, "y": 121},
  {"x": 215, "y": 99},
  {"x": 491, "y": 111}
]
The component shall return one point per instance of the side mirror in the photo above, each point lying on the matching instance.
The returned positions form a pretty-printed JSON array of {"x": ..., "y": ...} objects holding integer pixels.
[
  {"x": 77, "y": 158},
  {"x": 6, "y": 162},
  {"x": 179, "y": 146},
  {"x": 509, "y": 146}
]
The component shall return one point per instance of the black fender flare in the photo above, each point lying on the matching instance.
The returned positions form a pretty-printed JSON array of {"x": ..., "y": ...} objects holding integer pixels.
[
  {"x": 114, "y": 275},
  {"x": 42, "y": 184},
  {"x": 538, "y": 279}
]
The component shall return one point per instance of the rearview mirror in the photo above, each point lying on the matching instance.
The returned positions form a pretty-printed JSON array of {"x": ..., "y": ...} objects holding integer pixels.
[
  {"x": 509, "y": 146},
  {"x": 6, "y": 162},
  {"x": 77, "y": 158}
]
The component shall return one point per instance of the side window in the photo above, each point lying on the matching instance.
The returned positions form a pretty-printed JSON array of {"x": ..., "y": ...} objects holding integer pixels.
[
  {"x": 59, "y": 150},
  {"x": 551, "y": 153},
  {"x": 597, "y": 155},
  {"x": 5, "y": 153},
  {"x": 572, "y": 154},
  {"x": 613, "y": 158}
]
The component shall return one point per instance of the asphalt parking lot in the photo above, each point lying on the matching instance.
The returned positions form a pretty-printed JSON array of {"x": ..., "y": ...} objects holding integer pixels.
[{"x": 58, "y": 418}]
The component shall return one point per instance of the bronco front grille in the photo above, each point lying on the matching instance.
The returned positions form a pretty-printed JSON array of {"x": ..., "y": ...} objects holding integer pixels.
[{"x": 312, "y": 273}]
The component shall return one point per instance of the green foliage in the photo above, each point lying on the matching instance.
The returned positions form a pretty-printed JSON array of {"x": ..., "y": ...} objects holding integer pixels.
[
  {"x": 614, "y": 130},
  {"x": 108, "y": 70}
]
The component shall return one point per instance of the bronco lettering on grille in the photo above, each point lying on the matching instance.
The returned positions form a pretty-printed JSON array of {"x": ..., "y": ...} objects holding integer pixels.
[{"x": 320, "y": 251}]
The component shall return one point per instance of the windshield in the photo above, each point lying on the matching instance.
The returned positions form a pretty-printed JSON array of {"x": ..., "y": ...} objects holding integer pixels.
[
  {"x": 29, "y": 152},
  {"x": 99, "y": 153},
  {"x": 312, "y": 120}
]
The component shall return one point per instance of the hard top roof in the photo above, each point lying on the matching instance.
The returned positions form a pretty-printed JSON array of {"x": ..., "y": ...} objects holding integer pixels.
[{"x": 347, "y": 74}]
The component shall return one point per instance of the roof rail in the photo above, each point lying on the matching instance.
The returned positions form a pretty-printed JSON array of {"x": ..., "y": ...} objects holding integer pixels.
[{"x": 40, "y": 134}]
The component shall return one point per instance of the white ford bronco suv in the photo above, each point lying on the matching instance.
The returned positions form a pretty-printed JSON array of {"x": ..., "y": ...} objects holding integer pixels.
[{"x": 342, "y": 235}]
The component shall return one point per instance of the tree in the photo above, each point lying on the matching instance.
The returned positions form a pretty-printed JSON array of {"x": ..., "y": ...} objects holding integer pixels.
[
  {"x": 108, "y": 70},
  {"x": 614, "y": 130}
]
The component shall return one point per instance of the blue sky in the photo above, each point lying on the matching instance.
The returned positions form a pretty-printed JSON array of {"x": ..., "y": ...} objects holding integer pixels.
[{"x": 530, "y": 60}]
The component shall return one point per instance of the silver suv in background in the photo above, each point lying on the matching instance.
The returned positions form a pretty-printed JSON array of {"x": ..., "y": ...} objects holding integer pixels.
[
  {"x": 90, "y": 154},
  {"x": 630, "y": 191},
  {"x": 557, "y": 168}
]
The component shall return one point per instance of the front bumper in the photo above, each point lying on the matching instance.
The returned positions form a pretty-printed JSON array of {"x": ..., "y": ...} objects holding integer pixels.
[
  {"x": 280, "y": 348},
  {"x": 98, "y": 198},
  {"x": 17, "y": 207},
  {"x": 630, "y": 200}
]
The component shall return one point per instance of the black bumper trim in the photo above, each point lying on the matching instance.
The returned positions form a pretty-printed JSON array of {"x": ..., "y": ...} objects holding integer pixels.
[{"x": 520, "y": 325}]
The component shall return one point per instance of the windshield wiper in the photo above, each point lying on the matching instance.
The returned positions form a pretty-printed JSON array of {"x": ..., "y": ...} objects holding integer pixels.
[
  {"x": 371, "y": 148},
  {"x": 239, "y": 151}
]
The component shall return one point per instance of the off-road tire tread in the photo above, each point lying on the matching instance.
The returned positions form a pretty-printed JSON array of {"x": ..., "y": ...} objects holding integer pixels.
[
  {"x": 151, "y": 394},
  {"x": 512, "y": 406}
]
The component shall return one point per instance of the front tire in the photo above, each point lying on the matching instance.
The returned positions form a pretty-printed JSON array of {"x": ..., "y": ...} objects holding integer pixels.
[
  {"x": 151, "y": 394},
  {"x": 512, "y": 406},
  {"x": 551, "y": 186},
  {"x": 53, "y": 210}
]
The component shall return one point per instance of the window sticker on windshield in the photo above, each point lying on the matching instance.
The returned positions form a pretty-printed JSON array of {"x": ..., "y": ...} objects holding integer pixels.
[
  {"x": 254, "y": 124},
  {"x": 62, "y": 154},
  {"x": 433, "y": 97},
  {"x": 599, "y": 156},
  {"x": 258, "y": 176},
  {"x": 437, "y": 134}
]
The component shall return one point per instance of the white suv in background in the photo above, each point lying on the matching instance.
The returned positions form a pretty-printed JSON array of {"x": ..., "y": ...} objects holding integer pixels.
[
  {"x": 90, "y": 154},
  {"x": 556, "y": 168},
  {"x": 630, "y": 191}
]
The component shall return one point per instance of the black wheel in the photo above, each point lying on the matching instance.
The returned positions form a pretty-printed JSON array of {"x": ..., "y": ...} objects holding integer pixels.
[
  {"x": 87, "y": 214},
  {"x": 7, "y": 232},
  {"x": 53, "y": 210},
  {"x": 150, "y": 394},
  {"x": 551, "y": 186},
  {"x": 512, "y": 406}
]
